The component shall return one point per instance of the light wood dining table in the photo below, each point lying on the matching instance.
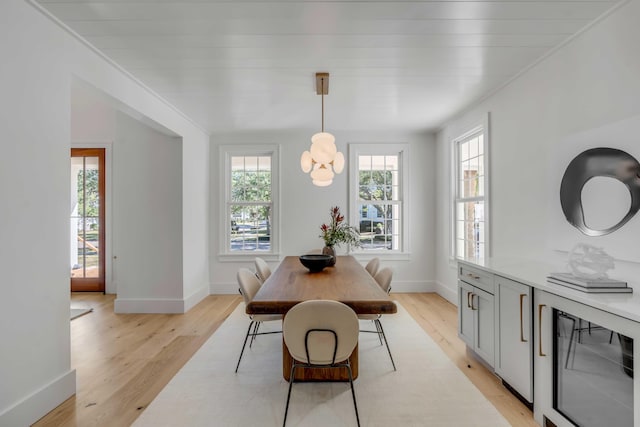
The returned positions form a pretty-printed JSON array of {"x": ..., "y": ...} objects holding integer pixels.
[{"x": 347, "y": 281}]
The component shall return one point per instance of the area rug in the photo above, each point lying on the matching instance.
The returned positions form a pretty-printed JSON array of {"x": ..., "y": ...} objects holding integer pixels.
[
  {"x": 77, "y": 312},
  {"x": 426, "y": 390}
]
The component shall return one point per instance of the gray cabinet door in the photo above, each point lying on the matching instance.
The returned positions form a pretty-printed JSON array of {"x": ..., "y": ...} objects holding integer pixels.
[
  {"x": 465, "y": 314},
  {"x": 482, "y": 305},
  {"x": 514, "y": 336}
]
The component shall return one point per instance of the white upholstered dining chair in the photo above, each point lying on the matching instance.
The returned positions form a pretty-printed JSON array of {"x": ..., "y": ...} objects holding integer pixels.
[
  {"x": 320, "y": 334},
  {"x": 383, "y": 278},
  {"x": 372, "y": 266},
  {"x": 262, "y": 269},
  {"x": 249, "y": 285}
]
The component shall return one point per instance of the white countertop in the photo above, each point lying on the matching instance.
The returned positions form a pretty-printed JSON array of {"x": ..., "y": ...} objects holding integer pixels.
[{"x": 534, "y": 274}]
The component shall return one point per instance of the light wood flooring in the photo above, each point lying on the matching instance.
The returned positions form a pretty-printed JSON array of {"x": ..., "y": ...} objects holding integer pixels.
[{"x": 123, "y": 361}]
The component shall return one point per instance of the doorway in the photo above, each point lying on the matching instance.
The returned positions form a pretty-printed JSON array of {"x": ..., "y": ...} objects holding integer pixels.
[{"x": 87, "y": 220}]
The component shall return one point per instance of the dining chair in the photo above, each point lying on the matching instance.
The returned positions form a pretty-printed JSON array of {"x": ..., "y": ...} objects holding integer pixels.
[
  {"x": 320, "y": 334},
  {"x": 249, "y": 285},
  {"x": 383, "y": 278},
  {"x": 262, "y": 269},
  {"x": 372, "y": 266}
]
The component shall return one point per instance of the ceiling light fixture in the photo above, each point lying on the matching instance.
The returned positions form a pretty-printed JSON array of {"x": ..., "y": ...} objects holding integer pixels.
[{"x": 323, "y": 160}]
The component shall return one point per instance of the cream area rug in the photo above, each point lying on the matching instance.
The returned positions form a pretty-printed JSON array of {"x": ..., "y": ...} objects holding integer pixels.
[{"x": 426, "y": 390}]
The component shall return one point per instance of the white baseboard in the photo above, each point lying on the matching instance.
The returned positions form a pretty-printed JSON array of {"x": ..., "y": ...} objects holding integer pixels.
[
  {"x": 195, "y": 298},
  {"x": 412, "y": 286},
  {"x": 41, "y": 402},
  {"x": 149, "y": 306},
  {"x": 446, "y": 292},
  {"x": 229, "y": 288}
]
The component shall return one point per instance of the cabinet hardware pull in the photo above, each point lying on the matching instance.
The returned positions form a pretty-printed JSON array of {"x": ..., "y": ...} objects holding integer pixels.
[
  {"x": 468, "y": 303},
  {"x": 473, "y": 277},
  {"x": 472, "y": 307},
  {"x": 540, "y": 353},
  {"x": 522, "y": 339}
]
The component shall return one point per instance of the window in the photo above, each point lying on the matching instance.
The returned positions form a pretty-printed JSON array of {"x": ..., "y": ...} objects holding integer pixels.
[
  {"x": 470, "y": 204},
  {"x": 378, "y": 207},
  {"x": 249, "y": 208}
]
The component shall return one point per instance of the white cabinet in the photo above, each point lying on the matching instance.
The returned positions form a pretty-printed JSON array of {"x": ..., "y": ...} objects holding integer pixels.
[
  {"x": 514, "y": 340},
  {"x": 476, "y": 325}
]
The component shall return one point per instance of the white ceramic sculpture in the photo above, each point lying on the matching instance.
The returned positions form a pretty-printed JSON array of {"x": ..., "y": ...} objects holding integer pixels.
[{"x": 589, "y": 262}]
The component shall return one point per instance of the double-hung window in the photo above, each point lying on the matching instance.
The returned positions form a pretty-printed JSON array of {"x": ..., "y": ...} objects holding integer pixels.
[
  {"x": 250, "y": 206},
  {"x": 378, "y": 196},
  {"x": 470, "y": 199}
]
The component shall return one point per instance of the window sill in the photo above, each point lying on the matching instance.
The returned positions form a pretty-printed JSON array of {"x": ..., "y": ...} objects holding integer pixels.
[{"x": 244, "y": 256}]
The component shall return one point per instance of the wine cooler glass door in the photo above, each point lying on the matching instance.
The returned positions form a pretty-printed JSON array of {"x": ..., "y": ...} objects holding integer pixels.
[{"x": 584, "y": 365}]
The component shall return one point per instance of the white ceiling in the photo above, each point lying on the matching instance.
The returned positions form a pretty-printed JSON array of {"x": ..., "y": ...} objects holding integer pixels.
[{"x": 250, "y": 65}]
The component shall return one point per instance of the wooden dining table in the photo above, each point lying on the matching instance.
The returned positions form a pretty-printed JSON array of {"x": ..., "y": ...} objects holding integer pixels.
[{"x": 347, "y": 281}]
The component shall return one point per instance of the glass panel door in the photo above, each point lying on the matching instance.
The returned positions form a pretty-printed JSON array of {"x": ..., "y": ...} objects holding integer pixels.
[
  {"x": 87, "y": 220},
  {"x": 593, "y": 378}
]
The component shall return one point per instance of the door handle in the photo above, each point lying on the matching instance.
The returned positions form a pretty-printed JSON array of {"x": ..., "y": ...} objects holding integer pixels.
[
  {"x": 468, "y": 303},
  {"x": 540, "y": 353},
  {"x": 472, "y": 307},
  {"x": 522, "y": 339}
]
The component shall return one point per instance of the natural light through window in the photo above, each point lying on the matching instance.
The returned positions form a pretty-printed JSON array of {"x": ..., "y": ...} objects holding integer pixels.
[
  {"x": 378, "y": 192},
  {"x": 249, "y": 204},
  {"x": 470, "y": 199}
]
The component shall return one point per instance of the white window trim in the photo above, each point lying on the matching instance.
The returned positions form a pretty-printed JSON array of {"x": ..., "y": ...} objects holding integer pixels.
[
  {"x": 402, "y": 150},
  {"x": 481, "y": 125},
  {"x": 224, "y": 227}
]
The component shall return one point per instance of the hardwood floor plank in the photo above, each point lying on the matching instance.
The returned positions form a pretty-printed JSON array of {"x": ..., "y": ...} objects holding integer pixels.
[{"x": 123, "y": 361}]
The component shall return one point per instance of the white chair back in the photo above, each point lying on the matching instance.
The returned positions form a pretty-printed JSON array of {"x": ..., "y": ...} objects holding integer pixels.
[
  {"x": 262, "y": 269},
  {"x": 249, "y": 284},
  {"x": 320, "y": 314},
  {"x": 372, "y": 266},
  {"x": 383, "y": 277}
]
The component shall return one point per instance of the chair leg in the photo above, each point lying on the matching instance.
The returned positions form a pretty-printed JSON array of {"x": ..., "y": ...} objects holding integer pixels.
[
  {"x": 291, "y": 380},
  {"x": 243, "y": 345},
  {"x": 375, "y": 322},
  {"x": 353, "y": 393},
  {"x": 255, "y": 333},
  {"x": 379, "y": 325}
]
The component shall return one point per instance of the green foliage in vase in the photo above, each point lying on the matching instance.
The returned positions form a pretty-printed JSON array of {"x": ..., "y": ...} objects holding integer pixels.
[{"x": 338, "y": 231}]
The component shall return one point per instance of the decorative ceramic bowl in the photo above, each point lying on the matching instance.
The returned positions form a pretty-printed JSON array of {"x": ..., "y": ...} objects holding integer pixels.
[{"x": 315, "y": 262}]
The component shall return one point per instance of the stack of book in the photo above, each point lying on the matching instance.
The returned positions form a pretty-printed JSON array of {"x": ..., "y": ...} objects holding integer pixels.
[{"x": 597, "y": 286}]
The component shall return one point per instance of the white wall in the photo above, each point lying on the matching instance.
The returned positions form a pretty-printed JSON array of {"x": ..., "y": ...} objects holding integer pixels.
[
  {"x": 34, "y": 225},
  {"x": 35, "y": 368},
  {"x": 144, "y": 197},
  {"x": 129, "y": 94},
  {"x": 590, "y": 82},
  {"x": 304, "y": 207},
  {"x": 147, "y": 217}
]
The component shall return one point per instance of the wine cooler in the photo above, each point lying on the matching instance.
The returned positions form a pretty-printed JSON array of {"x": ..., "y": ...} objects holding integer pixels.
[{"x": 584, "y": 366}]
